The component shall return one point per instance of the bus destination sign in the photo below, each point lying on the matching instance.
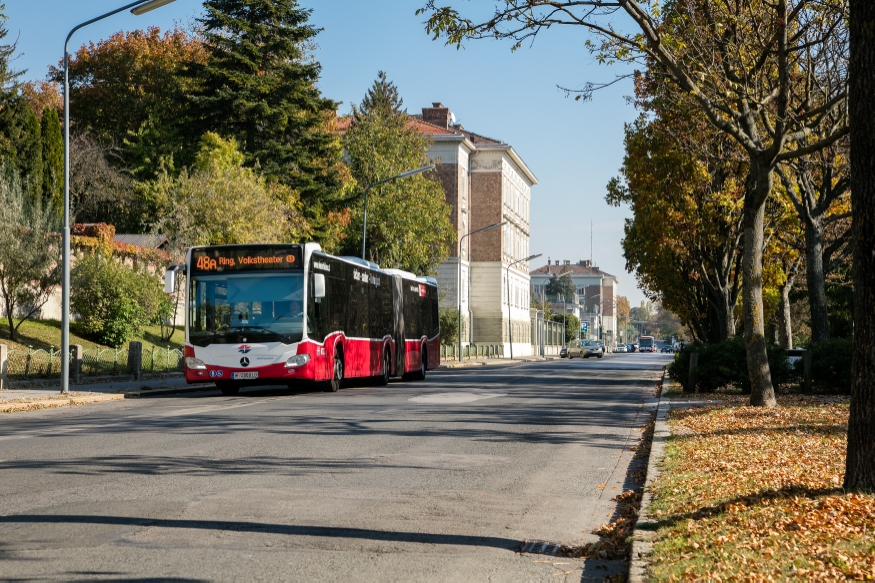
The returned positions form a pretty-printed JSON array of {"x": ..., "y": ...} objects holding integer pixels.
[{"x": 245, "y": 258}]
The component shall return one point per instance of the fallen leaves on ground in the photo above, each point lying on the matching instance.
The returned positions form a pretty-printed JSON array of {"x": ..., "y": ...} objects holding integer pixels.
[{"x": 749, "y": 493}]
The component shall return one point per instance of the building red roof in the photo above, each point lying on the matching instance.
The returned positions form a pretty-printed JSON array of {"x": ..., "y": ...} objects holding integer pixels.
[{"x": 423, "y": 127}]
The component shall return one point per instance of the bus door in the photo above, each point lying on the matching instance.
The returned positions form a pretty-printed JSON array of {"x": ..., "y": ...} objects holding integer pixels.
[{"x": 398, "y": 323}]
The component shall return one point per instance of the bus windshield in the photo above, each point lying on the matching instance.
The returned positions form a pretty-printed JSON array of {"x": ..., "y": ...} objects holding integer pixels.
[{"x": 246, "y": 307}]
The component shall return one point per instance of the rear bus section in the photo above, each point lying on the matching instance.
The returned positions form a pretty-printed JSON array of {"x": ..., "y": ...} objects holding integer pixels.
[{"x": 272, "y": 314}]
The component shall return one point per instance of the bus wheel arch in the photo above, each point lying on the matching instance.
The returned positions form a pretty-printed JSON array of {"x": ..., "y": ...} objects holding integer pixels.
[{"x": 337, "y": 369}]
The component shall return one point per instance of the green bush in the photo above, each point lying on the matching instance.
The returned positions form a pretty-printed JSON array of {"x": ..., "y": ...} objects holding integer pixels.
[
  {"x": 725, "y": 364},
  {"x": 830, "y": 366},
  {"x": 449, "y": 326},
  {"x": 111, "y": 301}
]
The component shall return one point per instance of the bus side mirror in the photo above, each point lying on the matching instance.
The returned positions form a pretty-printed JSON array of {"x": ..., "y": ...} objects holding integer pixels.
[
  {"x": 170, "y": 281},
  {"x": 170, "y": 278},
  {"x": 318, "y": 285}
]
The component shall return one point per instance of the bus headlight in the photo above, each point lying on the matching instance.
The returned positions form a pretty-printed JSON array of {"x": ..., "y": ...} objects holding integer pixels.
[
  {"x": 298, "y": 360},
  {"x": 195, "y": 363}
]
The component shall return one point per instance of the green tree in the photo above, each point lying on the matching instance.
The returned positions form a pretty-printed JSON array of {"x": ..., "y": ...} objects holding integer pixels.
[
  {"x": 8, "y": 76},
  {"x": 259, "y": 86},
  {"x": 449, "y": 326},
  {"x": 561, "y": 284},
  {"x": 572, "y": 324},
  {"x": 219, "y": 201},
  {"x": 408, "y": 220},
  {"x": 53, "y": 160},
  {"x": 128, "y": 93},
  {"x": 21, "y": 128},
  {"x": 29, "y": 266}
]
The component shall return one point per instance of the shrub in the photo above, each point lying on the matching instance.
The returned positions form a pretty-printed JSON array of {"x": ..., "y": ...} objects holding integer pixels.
[
  {"x": 725, "y": 364},
  {"x": 449, "y": 326},
  {"x": 830, "y": 365},
  {"x": 111, "y": 301}
]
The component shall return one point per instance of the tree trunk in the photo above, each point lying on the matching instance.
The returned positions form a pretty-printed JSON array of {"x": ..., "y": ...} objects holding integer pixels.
[
  {"x": 860, "y": 468},
  {"x": 815, "y": 279},
  {"x": 762, "y": 393},
  {"x": 785, "y": 327}
]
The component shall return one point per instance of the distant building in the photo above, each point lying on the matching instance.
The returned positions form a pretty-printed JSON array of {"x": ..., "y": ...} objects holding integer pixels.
[
  {"x": 485, "y": 182},
  {"x": 596, "y": 295}
]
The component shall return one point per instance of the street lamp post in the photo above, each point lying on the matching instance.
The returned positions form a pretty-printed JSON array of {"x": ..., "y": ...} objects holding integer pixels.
[
  {"x": 509, "y": 318},
  {"x": 459, "y": 289},
  {"x": 365, "y": 204},
  {"x": 137, "y": 8}
]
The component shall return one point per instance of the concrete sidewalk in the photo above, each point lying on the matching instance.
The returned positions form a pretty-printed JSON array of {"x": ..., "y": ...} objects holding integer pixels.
[
  {"x": 472, "y": 362},
  {"x": 22, "y": 398}
]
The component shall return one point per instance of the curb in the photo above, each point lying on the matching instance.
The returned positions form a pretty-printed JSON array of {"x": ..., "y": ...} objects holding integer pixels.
[
  {"x": 141, "y": 394},
  {"x": 54, "y": 402},
  {"x": 495, "y": 362},
  {"x": 646, "y": 526}
]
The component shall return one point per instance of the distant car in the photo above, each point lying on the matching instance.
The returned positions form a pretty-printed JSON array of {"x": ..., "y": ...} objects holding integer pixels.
[
  {"x": 622, "y": 348},
  {"x": 563, "y": 352},
  {"x": 585, "y": 349},
  {"x": 633, "y": 347},
  {"x": 666, "y": 348}
]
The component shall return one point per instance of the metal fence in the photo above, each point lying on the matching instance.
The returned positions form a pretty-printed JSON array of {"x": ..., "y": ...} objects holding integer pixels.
[
  {"x": 473, "y": 351},
  {"x": 158, "y": 360},
  {"x": 34, "y": 364}
]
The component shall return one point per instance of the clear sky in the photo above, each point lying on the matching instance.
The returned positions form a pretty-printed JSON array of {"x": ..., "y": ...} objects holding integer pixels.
[{"x": 573, "y": 148}]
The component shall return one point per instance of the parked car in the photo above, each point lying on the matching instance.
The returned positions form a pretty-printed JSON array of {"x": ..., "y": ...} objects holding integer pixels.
[
  {"x": 563, "y": 352},
  {"x": 585, "y": 349},
  {"x": 633, "y": 347},
  {"x": 622, "y": 348}
]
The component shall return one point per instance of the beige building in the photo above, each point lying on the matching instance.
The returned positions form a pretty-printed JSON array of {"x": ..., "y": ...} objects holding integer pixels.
[{"x": 485, "y": 182}]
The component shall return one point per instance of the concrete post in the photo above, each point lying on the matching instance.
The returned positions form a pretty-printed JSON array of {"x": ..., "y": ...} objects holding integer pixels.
[
  {"x": 806, "y": 367},
  {"x": 135, "y": 360},
  {"x": 691, "y": 376},
  {"x": 4, "y": 355},
  {"x": 76, "y": 371}
]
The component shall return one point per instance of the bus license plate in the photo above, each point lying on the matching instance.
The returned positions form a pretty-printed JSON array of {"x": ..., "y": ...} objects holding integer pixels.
[{"x": 244, "y": 375}]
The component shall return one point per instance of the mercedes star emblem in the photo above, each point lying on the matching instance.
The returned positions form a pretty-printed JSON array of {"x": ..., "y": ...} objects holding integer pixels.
[{"x": 244, "y": 361}]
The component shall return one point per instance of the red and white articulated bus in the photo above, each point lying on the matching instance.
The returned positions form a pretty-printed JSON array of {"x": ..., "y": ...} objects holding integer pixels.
[{"x": 280, "y": 314}]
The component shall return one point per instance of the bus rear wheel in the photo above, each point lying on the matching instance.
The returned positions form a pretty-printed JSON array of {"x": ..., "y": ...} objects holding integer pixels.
[
  {"x": 382, "y": 380},
  {"x": 423, "y": 366},
  {"x": 337, "y": 376}
]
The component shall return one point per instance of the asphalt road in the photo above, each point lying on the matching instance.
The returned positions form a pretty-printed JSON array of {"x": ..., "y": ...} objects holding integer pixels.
[{"x": 440, "y": 480}]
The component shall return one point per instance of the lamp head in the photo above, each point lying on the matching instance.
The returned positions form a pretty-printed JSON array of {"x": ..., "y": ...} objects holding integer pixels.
[{"x": 149, "y": 6}]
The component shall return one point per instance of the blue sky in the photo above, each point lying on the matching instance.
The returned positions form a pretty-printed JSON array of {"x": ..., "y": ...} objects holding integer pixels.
[{"x": 573, "y": 148}]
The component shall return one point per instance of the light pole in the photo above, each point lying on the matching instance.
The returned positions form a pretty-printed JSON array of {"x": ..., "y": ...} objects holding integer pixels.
[
  {"x": 365, "y": 207},
  {"x": 509, "y": 321},
  {"x": 137, "y": 8},
  {"x": 459, "y": 289}
]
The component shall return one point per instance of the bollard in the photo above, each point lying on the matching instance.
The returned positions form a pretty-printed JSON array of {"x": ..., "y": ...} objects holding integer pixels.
[
  {"x": 135, "y": 359},
  {"x": 76, "y": 369},
  {"x": 4, "y": 356},
  {"x": 806, "y": 367},
  {"x": 691, "y": 377}
]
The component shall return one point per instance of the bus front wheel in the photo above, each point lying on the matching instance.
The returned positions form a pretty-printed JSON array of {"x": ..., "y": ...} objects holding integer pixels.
[
  {"x": 228, "y": 388},
  {"x": 337, "y": 376}
]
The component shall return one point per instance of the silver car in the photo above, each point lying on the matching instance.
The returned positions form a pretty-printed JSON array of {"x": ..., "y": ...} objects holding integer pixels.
[{"x": 585, "y": 349}]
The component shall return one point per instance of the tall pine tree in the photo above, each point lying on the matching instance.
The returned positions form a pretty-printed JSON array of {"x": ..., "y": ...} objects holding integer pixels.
[
  {"x": 53, "y": 159},
  {"x": 259, "y": 87}
]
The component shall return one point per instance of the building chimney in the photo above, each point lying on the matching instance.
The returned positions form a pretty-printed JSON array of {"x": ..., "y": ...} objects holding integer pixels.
[{"x": 437, "y": 114}]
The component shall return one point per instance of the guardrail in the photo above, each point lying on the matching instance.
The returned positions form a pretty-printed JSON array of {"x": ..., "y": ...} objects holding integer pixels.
[{"x": 450, "y": 351}]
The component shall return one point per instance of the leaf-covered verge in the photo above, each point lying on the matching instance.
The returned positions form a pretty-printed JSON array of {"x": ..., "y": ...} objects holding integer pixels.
[{"x": 754, "y": 494}]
